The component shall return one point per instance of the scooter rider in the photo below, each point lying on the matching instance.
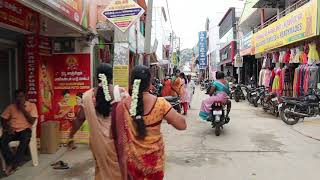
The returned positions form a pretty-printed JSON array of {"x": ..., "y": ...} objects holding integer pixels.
[{"x": 219, "y": 93}]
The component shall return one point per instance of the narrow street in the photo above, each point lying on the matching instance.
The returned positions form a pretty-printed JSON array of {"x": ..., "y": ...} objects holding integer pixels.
[{"x": 254, "y": 146}]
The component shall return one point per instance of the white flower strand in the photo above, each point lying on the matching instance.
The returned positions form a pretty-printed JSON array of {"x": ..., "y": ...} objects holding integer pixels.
[
  {"x": 105, "y": 86},
  {"x": 135, "y": 93}
]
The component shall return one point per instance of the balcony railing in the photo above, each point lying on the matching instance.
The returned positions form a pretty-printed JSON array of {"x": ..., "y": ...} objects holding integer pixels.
[{"x": 288, "y": 10}]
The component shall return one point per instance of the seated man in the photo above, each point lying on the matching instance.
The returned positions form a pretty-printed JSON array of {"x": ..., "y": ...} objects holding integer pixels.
[{"x": 17, "y": 121}]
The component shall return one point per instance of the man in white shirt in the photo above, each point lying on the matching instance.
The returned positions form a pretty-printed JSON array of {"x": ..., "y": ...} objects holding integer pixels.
[{"x": 191, "y": 88}]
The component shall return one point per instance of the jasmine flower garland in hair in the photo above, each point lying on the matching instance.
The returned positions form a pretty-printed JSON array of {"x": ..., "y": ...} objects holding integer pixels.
[
  {"x": 135, "y": 93},
  {"x": 105, "y": 86}
]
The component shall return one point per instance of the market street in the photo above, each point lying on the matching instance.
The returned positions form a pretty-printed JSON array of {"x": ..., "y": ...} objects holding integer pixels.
[{"x": 254, "y": 145}]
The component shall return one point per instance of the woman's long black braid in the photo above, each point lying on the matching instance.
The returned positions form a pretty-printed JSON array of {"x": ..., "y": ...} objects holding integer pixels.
[
  {"x": 103, "y": 107},
  {"x": 143, "y": 73}
]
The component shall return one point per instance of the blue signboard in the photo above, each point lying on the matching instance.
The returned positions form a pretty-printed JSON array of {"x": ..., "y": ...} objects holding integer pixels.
[{"x": 202, "y": 50}]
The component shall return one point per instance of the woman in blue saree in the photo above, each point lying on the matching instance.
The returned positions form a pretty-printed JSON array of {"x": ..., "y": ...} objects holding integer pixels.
[{"x": 218, "y": 93}]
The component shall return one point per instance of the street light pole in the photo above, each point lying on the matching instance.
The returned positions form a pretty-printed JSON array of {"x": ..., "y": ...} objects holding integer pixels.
[{"x": 147, "y": 43}]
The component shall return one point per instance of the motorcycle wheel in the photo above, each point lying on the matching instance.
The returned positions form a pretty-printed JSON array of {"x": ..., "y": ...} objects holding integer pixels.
[
  {"x": 255, "y": 103},
  {"x": 236, "y": 98},
  {"x": 288, "y": 120},
  {"x": 217, "y": 131}
]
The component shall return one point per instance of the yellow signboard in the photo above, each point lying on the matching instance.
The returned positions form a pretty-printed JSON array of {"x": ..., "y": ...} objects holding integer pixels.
[
  {"x": 174, "y": 58},
  {"x": 295, "y": 26},
  {"x": 121, "y": 76}
]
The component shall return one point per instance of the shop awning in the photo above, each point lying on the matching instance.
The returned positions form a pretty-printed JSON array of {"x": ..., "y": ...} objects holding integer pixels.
[{"x": 226, "y": 62}]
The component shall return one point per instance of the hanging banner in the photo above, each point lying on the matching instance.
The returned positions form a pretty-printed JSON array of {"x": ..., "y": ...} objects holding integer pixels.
[
  {"x": 75, "y": 10},
  {"x": 15, "y": 14},
  {"x": 70, "y": 80},
  {"x": 295, "y": 26},
  {"x": 32, "y": 61},
  {"x": 122, "y": 14},
  {"x": 202, "y": 50}
]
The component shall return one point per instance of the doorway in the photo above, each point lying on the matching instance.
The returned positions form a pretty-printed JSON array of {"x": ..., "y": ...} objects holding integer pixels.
[{"x": 7, "y": 75}]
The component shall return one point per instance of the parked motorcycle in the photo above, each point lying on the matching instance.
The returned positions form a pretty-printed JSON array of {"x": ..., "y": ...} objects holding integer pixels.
[
  {"x": 238, "y": 93},
  {"x": 175, "y": 102},
  {"x": 219, "y": 116},
  {"x": 270, "y": 102},
  {"x": 293, "y": 109},
  {"x": 254, "y": 95}
]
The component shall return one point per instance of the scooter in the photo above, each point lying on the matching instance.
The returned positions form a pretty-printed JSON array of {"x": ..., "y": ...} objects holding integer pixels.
[
  {"x": 238, "y": 93},
  {"x": 219, "y": 116},
  {"x": 270, "y": 102}
]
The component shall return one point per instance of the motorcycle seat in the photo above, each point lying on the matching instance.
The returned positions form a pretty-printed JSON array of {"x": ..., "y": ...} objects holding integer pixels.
[{"x": 170, "y": 98}]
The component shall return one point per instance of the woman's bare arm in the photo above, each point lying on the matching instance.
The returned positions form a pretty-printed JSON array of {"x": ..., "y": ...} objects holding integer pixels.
[{"x": 176, "y": 120}]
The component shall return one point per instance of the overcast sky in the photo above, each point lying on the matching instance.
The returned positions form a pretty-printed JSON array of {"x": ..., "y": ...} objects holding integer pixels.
[{"x": 188, "y": 17}]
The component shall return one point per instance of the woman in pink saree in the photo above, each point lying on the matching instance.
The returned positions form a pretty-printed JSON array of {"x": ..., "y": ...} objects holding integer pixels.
[{"x": 98, "y": 106}]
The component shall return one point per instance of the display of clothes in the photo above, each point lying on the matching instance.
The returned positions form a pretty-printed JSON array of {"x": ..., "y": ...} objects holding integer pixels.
[
  {"x": 293, "y": 55},
  {"x": 287, "y": 55},
  {"x": 313, "y": 55},
  {"x": 264, "y": 78},
  {"x": 275, "y": 57},
  {"x": 305, "y": 78},
  {"x": 277, "y": 85}
]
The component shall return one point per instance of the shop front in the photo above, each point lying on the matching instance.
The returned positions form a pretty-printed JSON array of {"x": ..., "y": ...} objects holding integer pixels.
[
  {"x": 227, "y": 55},
  {"x": 46, "y": 51},
  {"x": 249, "y": 68},
  {"x": 289, "y": 50}
]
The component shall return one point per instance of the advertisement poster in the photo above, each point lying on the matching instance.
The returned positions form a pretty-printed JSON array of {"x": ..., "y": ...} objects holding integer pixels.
[
  {"x": 202, "y": 50},
  {"x": 71, "y": 78},
  {"x": 75, "y": 10},
  {"x": 17, "y": 15},
  {"x": 123, "y": 14},
  {"x": 121, "y": 75},
  {"x": 295, "y": 26}
]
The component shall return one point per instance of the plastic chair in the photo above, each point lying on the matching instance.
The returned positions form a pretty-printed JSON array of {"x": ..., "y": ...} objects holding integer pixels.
[{"x": 32, "y": 145}]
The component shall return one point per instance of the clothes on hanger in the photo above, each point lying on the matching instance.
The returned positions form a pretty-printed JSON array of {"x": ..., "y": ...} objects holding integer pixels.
[
  {"x": 287, "y": 55},
  {"x": 293, "y": 55},
  {"x": 313, "y": 55}
]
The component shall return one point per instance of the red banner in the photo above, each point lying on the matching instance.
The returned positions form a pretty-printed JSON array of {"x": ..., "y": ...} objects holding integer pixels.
[
  {"x": 75, "y": 10},
  {"x": 32, "y": 61},
  {"x": 17, "y": 15},
  {"x": 72, "y": 77}
]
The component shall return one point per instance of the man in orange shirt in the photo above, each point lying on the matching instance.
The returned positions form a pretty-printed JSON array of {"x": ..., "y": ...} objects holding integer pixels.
[{"x": 17, "y": 121}]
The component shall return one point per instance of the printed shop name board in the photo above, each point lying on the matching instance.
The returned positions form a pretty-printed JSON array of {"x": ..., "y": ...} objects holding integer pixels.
[
  {"x": 17, "y": 15},
  {"x": 297, "y": 25},
  {"x": 202, "y": 49}
]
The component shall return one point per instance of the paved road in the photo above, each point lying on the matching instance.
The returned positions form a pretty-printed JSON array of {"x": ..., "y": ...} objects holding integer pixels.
[{"x": 254, "y": 146}]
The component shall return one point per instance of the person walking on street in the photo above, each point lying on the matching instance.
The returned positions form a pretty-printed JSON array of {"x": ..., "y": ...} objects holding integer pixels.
[
  {"x": 166, "y": 90},
  {"x": 176, "y": 84},
  {"x": 17, "y": 122},
  {"x": 185, "y": 99},
  {"x": 191, "y": 89},
  {"x": 98, "y": 106},
  {"x": 139, "y": 140}
]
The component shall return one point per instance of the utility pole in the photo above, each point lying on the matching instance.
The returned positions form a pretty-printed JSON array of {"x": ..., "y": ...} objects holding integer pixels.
[{"x": 147, "y": 43}]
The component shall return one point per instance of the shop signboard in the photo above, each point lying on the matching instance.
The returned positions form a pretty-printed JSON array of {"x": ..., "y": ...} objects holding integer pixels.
[
  {"x": 32, "y": 62},
  {"x": 70, "y": 75},
  {"x": 174, "y": 58},
  {"x": 122, "y": 14},
  {"x": 246, "y": 45},
  {"x": 295, "y": 26},
  {"x": 75, "y": 10},
  {"x": 15, "y": 14},
  {"x": 202, "y": 50}
]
